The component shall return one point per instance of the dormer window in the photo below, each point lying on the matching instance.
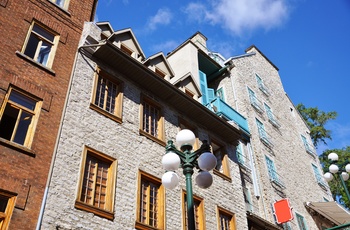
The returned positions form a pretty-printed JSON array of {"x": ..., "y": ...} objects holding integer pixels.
[{"x": 126, "y": 49}]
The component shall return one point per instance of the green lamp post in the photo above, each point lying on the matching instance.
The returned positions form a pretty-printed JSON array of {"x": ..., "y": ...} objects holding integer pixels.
[
  {"x": 201, "y": 159},
  {"x": 334, "y": 169}
]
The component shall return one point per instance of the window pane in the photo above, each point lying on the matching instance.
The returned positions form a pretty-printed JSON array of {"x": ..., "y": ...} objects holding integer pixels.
[
  {"x": 32, "y": 45},
  {"x": 22, "y": 128},
  {"x": 43, "y": 33},
  {"x": 8, "y": 122},
  {"x": 22, "y": 100},
  {"x": 3, "y": 203},
  {"x": 44, "y": 53}
]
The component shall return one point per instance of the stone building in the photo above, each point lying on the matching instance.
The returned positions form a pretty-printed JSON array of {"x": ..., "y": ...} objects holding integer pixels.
[
  {"x": 120, "y": 111},
  {"x": 39, "y": 40},
  {"x": 276, "y": 158}
]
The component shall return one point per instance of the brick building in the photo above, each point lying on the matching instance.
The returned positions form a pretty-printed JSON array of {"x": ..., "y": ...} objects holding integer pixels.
[{"x": 39, "y": 41}]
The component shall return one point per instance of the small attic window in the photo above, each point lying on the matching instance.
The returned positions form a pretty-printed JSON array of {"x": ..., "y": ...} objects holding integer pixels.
[
  {"x": 160, "y": 73},
  {"x": 189, "y": 93},
  {"x": 126, "y": 49}
]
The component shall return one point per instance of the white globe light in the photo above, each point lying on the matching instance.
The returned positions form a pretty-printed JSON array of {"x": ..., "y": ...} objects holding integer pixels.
[
  {"x": 207, "y": 161},
  {"x": 333, "y": 157},
  {"x": 333, "y": 168},
  {"x": 328, "y": 176},
  {"x": 347, "y": 168},
  {"x": 345, "y": 176},
  {"x": 171, "y": 161},
  {"x": 185, "y": 136},
  {"x": 204, "y": 179},
  {"x": 170, "y": 180}
]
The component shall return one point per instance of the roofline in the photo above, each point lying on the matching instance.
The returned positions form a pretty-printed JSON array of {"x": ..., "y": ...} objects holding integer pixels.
[{"x": 253, "y": 46}]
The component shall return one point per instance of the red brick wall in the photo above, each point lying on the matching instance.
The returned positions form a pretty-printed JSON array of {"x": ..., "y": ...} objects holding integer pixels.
[{"x": 25, "y": 172}]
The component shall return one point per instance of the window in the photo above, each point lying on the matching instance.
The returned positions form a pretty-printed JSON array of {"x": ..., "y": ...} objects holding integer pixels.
[
  {"x": 272, "y": 172},
  {"x": 220, "y": 93},
  {"x": 240, "y": 153},
  {"x": 97, "y": 184},
  {"x": 40, "y": 45},
  {"x": 61, "y": 3},
  {"x": 301, "y": 222},
  {"x": 262, "y": 86},
  {"x": 7, "y": 204},
  {"x": 222, "y": 166},
  {"x": 160, "y": 72},
  {"x": 19, "y": 115},
  {"x": 318, "y": 176},
  {"x": 254, "y": 101},
  {"x": 264, "y": 137},
  {"x": 271, "y": 116},
  {"x": 226, "y": 220},
  {"x": 107, "y": 95},
  {"x": 152, "y": 122},
  {"x": 198, "y": 212},
  {"x": 287, "y": 226},
  {"x": 308, "y": 147},
  {"x": 150, "y": 205}
]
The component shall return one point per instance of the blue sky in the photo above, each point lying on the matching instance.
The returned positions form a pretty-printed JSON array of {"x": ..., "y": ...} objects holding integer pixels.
[{"x": 308, "y": 40}]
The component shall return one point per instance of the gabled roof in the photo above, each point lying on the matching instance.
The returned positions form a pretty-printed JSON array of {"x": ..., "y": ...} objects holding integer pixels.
[
  {"x": 256, "y": 48},
  {"x": 191, "y": 78},
  {"x": 125, "y": 34},
  {"x": 157, "y": 58},
  {"x": 106, "y": 28}
]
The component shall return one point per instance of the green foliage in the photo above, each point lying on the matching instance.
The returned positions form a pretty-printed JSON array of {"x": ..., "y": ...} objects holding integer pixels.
[
  {"x": 336, "y": 186},
  {"x": 316, "y": 120}
]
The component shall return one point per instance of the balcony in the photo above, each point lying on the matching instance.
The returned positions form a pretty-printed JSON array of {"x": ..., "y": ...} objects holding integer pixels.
[{"x": 220, "y": 108}]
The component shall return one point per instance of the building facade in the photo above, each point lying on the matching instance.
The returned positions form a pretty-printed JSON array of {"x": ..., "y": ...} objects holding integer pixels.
[
  {"x": 39, "y": 40},
  {"x": 120, "y": 111}
]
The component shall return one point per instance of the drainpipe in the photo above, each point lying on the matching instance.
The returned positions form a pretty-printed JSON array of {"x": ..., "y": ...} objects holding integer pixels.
[{"x": 42, "y": 208}]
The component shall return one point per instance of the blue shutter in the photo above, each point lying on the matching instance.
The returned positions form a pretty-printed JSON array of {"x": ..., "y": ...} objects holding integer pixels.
[
  {"x": 204, "y": 87},
  {"x": 211, "y": 95}
]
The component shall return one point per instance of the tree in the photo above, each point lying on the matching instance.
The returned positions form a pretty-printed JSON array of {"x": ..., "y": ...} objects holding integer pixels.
[
  {"x": 336, "y": 186},
  {"x": 316, "y": 120}
]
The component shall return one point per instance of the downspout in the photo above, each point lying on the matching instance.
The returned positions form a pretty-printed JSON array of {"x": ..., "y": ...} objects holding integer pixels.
[{"x": 42, "y": 208}]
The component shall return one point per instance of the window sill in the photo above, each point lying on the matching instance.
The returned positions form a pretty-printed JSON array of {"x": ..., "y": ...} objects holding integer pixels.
[
  {"x": 142, "y": 226},
  {"x": 62, "y": 9},
  {"x": 222, "y": 175},
  {"x": 97, "y": 211},
  {"x": 25, "y": 57},
  {"x": 153, "y": 138},
  {"x": 105, "y": 113},
  {"x": 17, "y": 147}
]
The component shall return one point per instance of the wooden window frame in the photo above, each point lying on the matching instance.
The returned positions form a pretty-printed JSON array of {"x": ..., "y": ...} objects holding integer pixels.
[
  {"x": 118, "y": 100},
  {"x": 126, "y": 49},
  {"x": 64, "y": 6},
  {"x": 199, "y": 211},
  {"x": 160, "y": 137},
  {"x": 53, "y": 43},
  {"x": 231, "y": 216},
  {"x": 160, "y": 72},
  {"x": 225, "y": 174},
  {"x": 35, "y": 115},
  {"x": 108, "y": 212},
  {"x": 5, "y": 217},
  {"x": 143, "y": 176}
]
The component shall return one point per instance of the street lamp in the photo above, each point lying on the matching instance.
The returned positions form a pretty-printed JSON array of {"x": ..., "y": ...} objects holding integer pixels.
[
  {"x": 334, "y": 169},
  {"x": 202, "y": 159}
]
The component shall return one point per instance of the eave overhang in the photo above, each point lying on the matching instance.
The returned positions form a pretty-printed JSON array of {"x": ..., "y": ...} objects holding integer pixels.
[{"x": 168, "y": 93}]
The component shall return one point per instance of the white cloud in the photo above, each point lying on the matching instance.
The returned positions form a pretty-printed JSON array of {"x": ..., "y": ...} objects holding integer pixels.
[
  {"x": 240, "y": 16},
  {"x": 162, "y": 17}
]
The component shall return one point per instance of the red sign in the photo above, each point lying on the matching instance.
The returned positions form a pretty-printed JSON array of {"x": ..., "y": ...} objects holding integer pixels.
[{"x": 282, "y": 211}]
